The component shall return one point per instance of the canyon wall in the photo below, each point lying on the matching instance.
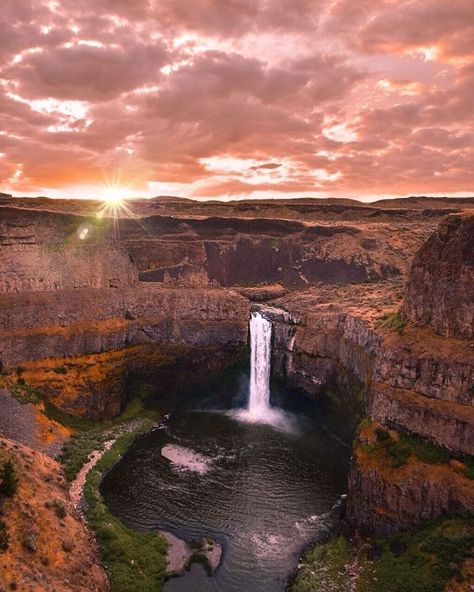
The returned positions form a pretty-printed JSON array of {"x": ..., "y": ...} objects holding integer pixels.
[
  {"x": 41, "y": 250},
  {"x": 75, "y": 321},
  {"x": 416, "y": 381},
  {"x": 243, "y": 251},
  {"x": 440, "y": 289}
]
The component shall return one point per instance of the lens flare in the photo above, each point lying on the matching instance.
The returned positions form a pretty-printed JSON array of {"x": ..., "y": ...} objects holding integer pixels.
[{"x": 114, "y": 197}]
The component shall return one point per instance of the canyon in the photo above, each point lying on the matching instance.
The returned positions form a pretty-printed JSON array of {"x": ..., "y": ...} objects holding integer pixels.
[{"x": 373, "y": 302}]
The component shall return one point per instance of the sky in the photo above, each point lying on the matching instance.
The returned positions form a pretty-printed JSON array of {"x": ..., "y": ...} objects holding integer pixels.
[{"x": 235, "y": 99}]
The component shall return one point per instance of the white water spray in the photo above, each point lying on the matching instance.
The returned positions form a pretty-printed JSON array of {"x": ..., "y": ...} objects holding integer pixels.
[{"x": 260, "y": 364}]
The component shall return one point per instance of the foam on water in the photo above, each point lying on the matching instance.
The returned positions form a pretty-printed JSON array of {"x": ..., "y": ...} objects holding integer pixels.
[{"x": 186, "y": 459}]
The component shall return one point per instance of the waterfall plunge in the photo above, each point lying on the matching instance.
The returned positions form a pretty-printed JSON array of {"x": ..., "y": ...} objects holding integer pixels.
[
  {"x": 259, "y": 409},
  {"x": 260, "y": 362}
]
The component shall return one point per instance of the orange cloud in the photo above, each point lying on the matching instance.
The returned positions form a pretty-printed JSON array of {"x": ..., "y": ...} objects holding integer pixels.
[{"x": 224, "y": 98}]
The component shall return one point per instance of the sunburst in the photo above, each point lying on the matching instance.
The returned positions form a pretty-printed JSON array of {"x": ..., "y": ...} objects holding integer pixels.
[{"x": 115, "y": 197}]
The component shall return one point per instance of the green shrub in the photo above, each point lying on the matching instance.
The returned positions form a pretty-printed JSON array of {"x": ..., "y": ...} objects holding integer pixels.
[
  {"x": 58, "y": 507},
  {"x": 399, "y": 454},
  {"x": 382, "y": 435},
  {"x": 392, "y": 321},
  {"x": 8, "y": 480},
  {"x": 420, "y": 560},
  {"x": 425, "y": 450},
  {"x": 323, "y": 568},
  {"x": 60, "y": 370}
]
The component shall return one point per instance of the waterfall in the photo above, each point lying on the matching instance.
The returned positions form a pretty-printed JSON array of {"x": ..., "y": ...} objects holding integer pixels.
[
  {"x": 259, "y": 410},
  {"x": 260, "y": 364}
]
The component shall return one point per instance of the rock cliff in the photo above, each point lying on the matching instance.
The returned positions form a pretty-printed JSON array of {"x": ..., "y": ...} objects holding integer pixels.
[
  {"x": 440, "y": 288},
  {"x": 391, "y": 488},
  {"x": 41, "y": 250},
  {"x": 297, "y": 243},
  {"x": 414, "y": 381},
  {"x": 75, "y": 320}
]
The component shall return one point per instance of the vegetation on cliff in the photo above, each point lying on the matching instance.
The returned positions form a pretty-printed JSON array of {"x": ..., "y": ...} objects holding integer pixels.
[
  {"x": 133, "y": 560},
  {"x": 392, "y": 321},
  {"x": 8, "y": 479},
  {"x": 324, "y": 567},
  {"x": 421, "y": 560},
  {"x": 398, "y": 447}
]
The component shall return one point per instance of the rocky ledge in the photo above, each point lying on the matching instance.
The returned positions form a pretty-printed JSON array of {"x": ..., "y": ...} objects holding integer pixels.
[{"x": 413, "y": 380}]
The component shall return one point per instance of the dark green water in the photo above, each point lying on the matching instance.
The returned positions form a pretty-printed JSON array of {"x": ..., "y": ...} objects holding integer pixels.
[{"x": 262, "y": 492}]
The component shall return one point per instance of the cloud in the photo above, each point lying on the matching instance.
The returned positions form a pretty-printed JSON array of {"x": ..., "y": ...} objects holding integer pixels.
[
  {"x": 236, "y": 97},
  {"x": 85, "y": 72},
  {"x": 436, "y": 29}
]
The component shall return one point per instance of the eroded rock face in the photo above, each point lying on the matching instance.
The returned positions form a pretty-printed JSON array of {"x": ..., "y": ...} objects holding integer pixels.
[
  {"x": 414, "y": 381},
  {"x": 75, "y": 320},
  {"x": 241, "y": 251},
  {"x": 384, "y": 499},
  {"x": 44, "y": 251},
  {"x": 440, "y": 288},
  {"x": 79, "y": 346},
  {"x": 425, "y": 390}
]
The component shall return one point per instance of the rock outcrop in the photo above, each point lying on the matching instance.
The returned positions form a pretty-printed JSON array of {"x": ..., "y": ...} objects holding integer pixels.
[
  {"x": 413, "y": 380},
  {"x": 79, "y": 347},
  {"x": 440, "y": 288},
  {"x": 239, "y": 251},
  {"x": 75, "y": 320},
  {"x": 49, "y": 547},
  {"x": 41, "y": 250},
  {"x": 416, "y": 381}
]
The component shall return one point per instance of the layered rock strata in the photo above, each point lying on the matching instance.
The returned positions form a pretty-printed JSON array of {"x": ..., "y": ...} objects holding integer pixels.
[
  {"x": 414, "y": 380},
  {"x": 79, "y": 346},
  {"x": 75, "y": 320},
  {"x": 41, "y": 250}
]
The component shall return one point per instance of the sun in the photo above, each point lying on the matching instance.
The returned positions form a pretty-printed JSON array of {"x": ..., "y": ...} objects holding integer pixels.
[
  {"x": 115, "y": 196},
  {"x": 113, "y": 200}
]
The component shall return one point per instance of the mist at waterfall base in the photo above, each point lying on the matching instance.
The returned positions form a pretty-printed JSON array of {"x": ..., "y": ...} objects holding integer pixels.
[{"x": 261, "y": 476}]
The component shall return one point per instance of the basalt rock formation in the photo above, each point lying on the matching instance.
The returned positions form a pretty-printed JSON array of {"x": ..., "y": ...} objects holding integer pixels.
[
  {"x": 414, "y": 381},
  {"x": 42, "y": 251},
  {"x": 440, "y": 289},
  {"x": 75, "y": 320},
  {"x": 80, "y": 312},
  {"x": 297, "y": 243}
]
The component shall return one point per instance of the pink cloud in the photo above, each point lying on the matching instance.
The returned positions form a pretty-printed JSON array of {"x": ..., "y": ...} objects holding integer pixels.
[{"x": 361, "y": 98}]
